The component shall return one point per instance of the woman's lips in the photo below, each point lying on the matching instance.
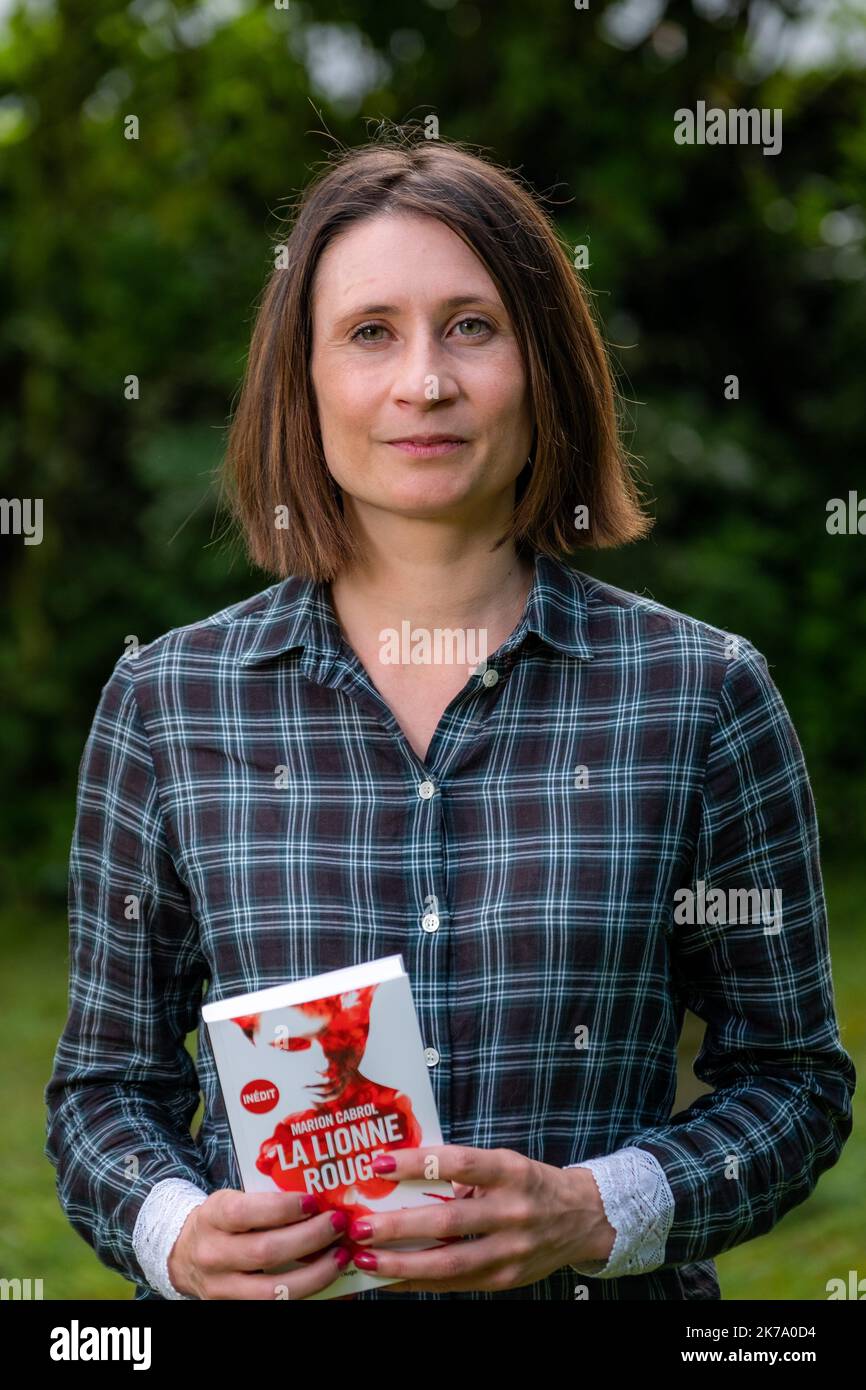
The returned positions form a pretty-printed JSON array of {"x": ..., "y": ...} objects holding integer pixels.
[{"x": 425, "y": 451}]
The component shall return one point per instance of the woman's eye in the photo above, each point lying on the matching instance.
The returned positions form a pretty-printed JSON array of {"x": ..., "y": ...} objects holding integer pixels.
[
  {"x": 365, "y": 328},
  {"x": 483, "y": 322}
]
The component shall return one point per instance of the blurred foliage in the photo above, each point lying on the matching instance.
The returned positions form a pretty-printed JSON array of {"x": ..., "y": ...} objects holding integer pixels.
[{"x": 147, "y": 256}]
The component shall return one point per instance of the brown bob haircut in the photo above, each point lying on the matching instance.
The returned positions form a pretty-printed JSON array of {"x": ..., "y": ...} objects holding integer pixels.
[{"x": 274, "y": 457}]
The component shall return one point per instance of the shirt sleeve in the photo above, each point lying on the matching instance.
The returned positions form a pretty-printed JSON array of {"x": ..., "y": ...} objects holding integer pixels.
[
  {"x": 639, "y": 1204},
  {"x": 159, "y": 1223},
  {"x": 739, "y": 1158},
  {"x": 123, "y": 1089}
]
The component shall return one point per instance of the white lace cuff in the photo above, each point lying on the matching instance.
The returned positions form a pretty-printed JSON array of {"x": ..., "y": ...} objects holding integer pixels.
[
  {"x": 639, "y": 1204},
  {"x": 159, "y": 1223}
]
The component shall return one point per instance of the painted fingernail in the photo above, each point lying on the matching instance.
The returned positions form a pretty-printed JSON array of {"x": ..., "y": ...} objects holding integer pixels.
[
  {"x": 383, "y": 1163},
  {"x": 339, "y": 1220},
  {"x": 360, "y": 1230},
  {"x": 365, "y": 1259},
  {"x": 342, "y": 1256},
  {"x": 309, "y": 1205}
]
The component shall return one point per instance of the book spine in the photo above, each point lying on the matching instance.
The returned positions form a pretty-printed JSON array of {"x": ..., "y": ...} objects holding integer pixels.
[{"x": 222, "y": 1058}]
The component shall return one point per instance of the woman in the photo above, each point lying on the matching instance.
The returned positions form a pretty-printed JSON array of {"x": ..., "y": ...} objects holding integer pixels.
[{"x": 568, "y": 840}]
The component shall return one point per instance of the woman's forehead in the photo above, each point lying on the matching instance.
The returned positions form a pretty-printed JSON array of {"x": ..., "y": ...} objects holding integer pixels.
[{"x": 397, "y": 261}]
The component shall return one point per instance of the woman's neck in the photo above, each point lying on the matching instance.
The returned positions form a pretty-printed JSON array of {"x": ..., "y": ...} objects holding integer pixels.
[{"x": 476, "y": 590}]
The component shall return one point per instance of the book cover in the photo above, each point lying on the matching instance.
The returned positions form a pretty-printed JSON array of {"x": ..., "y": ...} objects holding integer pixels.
[{"x": 318, "y": 1077}]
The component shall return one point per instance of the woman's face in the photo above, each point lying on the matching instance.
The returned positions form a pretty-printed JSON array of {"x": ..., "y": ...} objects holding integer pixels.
[
  {"x": 303, "y": 1059},
  {"x": 419, "y": 366}
]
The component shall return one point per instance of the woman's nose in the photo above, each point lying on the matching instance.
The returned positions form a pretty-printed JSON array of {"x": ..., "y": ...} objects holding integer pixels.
[{"x": 422, "y": 371}]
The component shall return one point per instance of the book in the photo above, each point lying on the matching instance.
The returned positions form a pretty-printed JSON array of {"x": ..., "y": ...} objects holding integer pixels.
[{"x": 320, "y": 1075}]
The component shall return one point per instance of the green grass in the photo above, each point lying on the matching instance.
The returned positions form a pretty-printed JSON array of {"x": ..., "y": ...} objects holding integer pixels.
[
  {"x": 814, "y": 1242},
  {"x": 36, "y": 1240}
]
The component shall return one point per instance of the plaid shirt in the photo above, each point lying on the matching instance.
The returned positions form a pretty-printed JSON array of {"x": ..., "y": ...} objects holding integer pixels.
[{"x": 249, "y": 812}]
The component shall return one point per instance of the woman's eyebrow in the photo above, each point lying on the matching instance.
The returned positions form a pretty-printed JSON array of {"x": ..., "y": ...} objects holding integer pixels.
[{"x": 455, "y": 302}]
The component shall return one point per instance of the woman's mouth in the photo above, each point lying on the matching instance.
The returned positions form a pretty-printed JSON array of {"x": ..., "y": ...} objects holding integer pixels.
[{"x": 422, "y": 449}]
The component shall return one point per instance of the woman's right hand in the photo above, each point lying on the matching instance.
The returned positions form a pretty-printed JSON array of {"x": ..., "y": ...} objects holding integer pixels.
[{"x": 235, "y": 1245}]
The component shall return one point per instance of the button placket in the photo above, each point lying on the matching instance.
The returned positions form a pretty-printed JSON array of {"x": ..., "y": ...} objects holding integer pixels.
[{"x": 430, "y": 923}]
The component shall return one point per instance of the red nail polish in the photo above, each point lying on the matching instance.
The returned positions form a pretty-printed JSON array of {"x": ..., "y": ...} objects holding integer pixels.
[
  {"x": 309, "y": 1205},
  {"x": 365, "y": 1259},
  {"x": 341, "y": 1256},
  {"x": 360, "y": 1230},
  {"x": 383, "y": 1163},
  {"x": 339, "y": 1220}
]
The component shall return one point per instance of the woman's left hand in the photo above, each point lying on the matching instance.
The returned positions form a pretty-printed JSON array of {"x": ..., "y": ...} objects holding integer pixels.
[{"x": 527, "y": 1219}]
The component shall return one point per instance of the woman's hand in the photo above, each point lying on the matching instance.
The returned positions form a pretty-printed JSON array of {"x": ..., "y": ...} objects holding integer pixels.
[
  {"x": 528, "y": 1218},
  {"x": 232, "y": 1246}
]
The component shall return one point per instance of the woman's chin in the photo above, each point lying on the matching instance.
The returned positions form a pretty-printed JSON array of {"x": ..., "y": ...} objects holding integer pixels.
[{"x": 430, "y": 502}]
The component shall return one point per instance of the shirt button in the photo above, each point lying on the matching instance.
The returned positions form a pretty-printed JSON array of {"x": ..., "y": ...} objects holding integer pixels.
[
  {"x": 426, "y": 790},
  {"x": 431, "y": 1056},
  {"x": 490, "y": 677},
  {"x": 430, "y": 922}
]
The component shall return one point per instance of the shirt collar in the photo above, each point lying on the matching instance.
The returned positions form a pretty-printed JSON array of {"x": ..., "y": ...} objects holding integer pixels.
[{"x": 299, "y": 614}]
